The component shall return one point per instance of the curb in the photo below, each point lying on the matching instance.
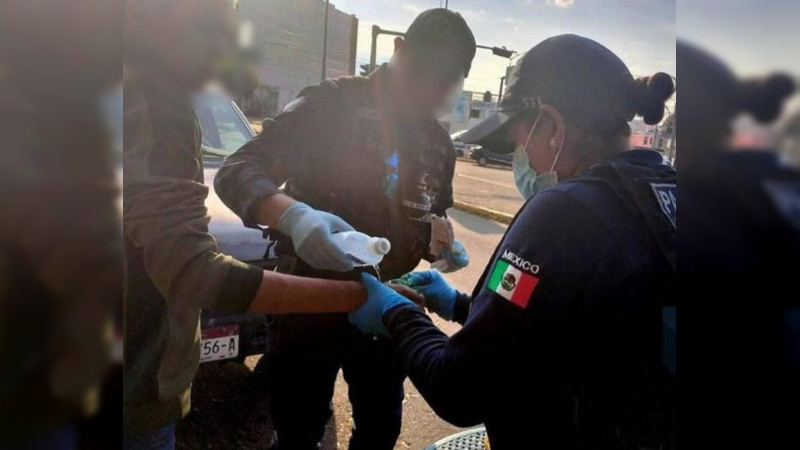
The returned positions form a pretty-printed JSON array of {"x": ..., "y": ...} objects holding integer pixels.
[{"x": 483, "y": 212}]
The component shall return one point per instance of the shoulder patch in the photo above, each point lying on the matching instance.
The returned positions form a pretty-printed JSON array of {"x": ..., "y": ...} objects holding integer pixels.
[
  {"x": 514, "y": 278},
  {"x": 667, "y": 198}
]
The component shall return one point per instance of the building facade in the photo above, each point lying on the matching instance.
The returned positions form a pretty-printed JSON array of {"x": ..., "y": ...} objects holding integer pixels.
[
  {"x": 648, "y": 136},
  {"x": 470, "y": 109},
  {"x": 288, "y": 34}
]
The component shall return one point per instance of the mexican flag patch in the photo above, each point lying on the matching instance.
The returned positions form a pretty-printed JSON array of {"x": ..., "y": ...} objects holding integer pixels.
[{"x": 512, "y": 284}]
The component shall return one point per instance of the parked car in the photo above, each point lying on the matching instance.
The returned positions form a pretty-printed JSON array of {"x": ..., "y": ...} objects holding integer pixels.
[
  {"x": 484, "y": 156},
  {"x": 225, "y": 129},
  {"x": 462, "y": 149}
]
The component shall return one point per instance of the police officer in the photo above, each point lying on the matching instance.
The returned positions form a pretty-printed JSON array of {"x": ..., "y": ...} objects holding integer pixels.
[
  {"x": 369, "y": 151},
  {"x": 561, "y": 344}
]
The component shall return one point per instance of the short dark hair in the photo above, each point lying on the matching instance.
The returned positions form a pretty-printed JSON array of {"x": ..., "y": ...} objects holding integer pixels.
[{"x": 439, "y": 27}]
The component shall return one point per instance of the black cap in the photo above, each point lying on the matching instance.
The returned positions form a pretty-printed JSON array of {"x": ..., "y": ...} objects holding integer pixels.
[
  {"x": 442, "y": 39},
  {"x": 589, "y": 85}
]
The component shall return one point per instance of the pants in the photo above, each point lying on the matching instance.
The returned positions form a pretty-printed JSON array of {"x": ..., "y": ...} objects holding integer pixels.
[
  {"x": 305, "y": 357},
  {"x": 161, "y": 439}
]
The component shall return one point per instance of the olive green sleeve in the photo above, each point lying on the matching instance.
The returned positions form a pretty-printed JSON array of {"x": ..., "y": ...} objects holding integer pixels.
[{"x": 165, "y": 217}]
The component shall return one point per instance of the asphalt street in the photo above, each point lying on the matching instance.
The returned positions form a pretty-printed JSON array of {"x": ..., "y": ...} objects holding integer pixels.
[{"x": 489, "y": 187}]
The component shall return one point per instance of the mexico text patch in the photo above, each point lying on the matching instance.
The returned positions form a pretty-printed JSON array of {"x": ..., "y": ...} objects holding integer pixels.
[{"x": 513, "y": 279}]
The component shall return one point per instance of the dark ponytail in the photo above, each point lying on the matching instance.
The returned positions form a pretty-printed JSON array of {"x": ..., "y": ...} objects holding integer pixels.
[
  {"x": 763, "y": 97},
  {"x": 650, "y": 94}
]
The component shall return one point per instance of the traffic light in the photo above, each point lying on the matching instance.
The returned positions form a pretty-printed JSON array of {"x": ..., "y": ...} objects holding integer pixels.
[
  {"x": 502, "y": 51},
  {"x": 364, "y": 70}
]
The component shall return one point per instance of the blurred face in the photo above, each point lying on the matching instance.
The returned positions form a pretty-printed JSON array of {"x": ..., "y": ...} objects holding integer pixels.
[
  {"x": 422, "y": 91},
  {"x": 188, "y": 39},
  {"x": 73, "y": 43}
]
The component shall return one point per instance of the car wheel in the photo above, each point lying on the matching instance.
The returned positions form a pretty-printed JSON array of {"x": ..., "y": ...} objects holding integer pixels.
[
  {"x": 460, "y": 153},
  {"x": 482, "y": 161}
]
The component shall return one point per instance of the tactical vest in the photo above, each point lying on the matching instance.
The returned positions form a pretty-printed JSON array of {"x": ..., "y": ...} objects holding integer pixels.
[
  {"x": 650, "y": 421},
  {"x": 378, "y": 175}
]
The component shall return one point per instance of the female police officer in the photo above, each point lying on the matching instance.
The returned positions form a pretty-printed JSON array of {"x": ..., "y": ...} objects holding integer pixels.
[{"x": 561, "y": 344}]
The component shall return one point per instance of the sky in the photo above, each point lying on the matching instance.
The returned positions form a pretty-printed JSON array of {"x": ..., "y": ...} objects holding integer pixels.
[
  {"x": 640, "y": 32},
  {"x": 752, "y": 36}
]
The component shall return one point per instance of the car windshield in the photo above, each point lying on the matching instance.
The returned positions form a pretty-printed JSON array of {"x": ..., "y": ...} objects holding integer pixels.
[
  {"x": 224, "y": 128},
  {"x": 112, "y": 108}
]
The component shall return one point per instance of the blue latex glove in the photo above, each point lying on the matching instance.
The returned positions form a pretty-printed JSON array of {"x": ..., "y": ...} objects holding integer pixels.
[
  {"x": 311, "y": 232},
  {"x": 440, "y": 297},
  {"x": 380, "y": 299},
  {"x": 456, "y": 256}
]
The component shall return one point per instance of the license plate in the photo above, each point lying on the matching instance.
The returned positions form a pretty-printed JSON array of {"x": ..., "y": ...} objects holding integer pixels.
[{"x": 219, "y": 343}]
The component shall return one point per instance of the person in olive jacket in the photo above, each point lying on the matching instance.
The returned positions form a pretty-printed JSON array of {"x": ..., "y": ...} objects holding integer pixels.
[{"x": 172, "y": 267}]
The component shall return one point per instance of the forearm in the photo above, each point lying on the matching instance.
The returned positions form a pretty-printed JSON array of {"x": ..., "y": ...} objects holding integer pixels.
[
  {"x": 289, "y": 294},
  {"x": 269, "y": 209},
  {"x": 251, "y": 177},
  {"x": 432, "y": 366},
  {"x": 248, "y": 181}
]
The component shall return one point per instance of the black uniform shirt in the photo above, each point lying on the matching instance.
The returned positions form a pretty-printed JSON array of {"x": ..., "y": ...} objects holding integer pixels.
[
  {"x": 565, "y": 316},
  {"x": 330, "y": 147}
]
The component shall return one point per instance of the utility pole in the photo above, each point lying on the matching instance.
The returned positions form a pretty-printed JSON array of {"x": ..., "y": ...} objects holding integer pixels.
[
  {"x": 377, "y": 31},
  {"x": 325, "y": 43}
]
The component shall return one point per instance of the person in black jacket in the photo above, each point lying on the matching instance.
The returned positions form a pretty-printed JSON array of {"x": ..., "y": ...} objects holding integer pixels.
[
  {"x": 368, "y": 152},
  {"x": 562, "y": 339}
]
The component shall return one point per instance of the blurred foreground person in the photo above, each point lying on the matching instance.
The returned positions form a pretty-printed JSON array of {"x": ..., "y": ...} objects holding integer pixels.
[
  {"x": 370, "y": 151},
  {"x": 60, "y": 252},
  {"x": 740, "y": 256},
  {"x": 172, "y": 267},
  {"x": 562, "y": 339}
]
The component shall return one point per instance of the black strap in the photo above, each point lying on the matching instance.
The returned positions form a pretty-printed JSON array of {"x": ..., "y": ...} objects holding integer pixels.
[{"x": 637, "y": 181}]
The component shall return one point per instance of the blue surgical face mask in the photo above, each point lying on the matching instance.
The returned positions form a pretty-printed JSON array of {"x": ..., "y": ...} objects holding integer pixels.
[{"x": 528, "y": 182}]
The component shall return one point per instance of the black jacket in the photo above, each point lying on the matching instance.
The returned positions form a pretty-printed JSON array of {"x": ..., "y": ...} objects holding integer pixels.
[{"x": 331, "y": 146}]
